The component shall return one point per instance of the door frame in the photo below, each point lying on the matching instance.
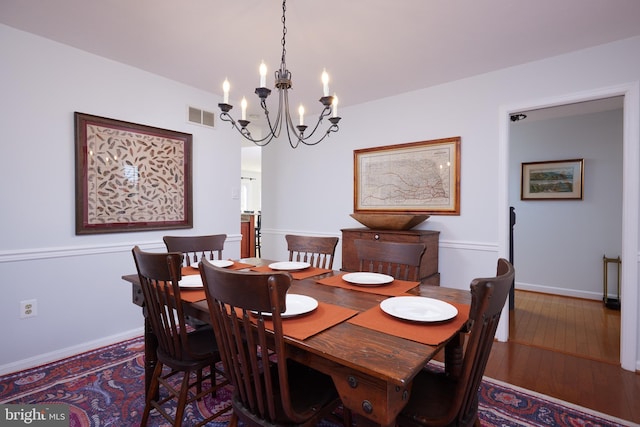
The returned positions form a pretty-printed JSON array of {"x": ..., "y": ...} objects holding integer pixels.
[{"x": 630, "y": 204}]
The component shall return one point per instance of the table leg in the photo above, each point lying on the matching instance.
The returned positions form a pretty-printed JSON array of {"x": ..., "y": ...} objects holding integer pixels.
[{"x": 453, "y": 355}]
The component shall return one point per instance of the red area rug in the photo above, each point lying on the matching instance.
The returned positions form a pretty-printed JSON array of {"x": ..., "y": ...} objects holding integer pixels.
[{"x": 104, "y": 388}]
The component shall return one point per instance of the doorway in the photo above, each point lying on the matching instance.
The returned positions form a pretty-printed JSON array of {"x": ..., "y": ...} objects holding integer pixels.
[
  {"x": 631, "y": 164},
  {"x": 251, "y": 179},
  {"x": 559, "y": 244}
]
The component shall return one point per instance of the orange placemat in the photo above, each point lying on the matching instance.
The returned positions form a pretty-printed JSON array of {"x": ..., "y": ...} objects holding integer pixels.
[
  {"x": 393, "y": 289},
  {"x": 189, "y": 271},
  {"x": 323, "y": 317},
  {"x": 192, "y": 295},
  {"x": 189, "y": 294},
  {"x": 236, "y": 266},
  {"x": 298, "y": 275},
  {"x": 240, "y": 266},
  {"x": 425, "y": 333}
]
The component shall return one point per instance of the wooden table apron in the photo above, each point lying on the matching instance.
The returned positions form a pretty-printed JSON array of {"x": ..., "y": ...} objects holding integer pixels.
[{"x": 371, "y": 370}]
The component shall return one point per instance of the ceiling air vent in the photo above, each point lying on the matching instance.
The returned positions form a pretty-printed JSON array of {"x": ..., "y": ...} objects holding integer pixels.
[{"x": 201, "y": 117}]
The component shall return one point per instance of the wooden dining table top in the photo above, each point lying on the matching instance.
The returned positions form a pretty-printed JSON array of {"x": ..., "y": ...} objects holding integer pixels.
[{"x": 371, "y": 369}]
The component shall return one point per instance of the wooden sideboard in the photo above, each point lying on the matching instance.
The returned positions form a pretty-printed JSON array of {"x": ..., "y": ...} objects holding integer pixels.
[{"x": 429, "y": 267}]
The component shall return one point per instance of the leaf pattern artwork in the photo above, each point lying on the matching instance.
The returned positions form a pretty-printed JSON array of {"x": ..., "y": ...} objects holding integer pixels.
[{"x": 133, "y": 177}]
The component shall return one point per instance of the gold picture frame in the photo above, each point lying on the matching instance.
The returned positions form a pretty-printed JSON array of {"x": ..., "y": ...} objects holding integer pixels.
[
  {"x": 552, "y": 180},
  {"x": 415, "y": 178},
  {"x": 131, "y": 177}
]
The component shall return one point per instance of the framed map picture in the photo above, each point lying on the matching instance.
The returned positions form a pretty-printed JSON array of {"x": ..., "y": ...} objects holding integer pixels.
[
  {"x": 419, "y": 177},
  {"x": 131, "y": 177}
]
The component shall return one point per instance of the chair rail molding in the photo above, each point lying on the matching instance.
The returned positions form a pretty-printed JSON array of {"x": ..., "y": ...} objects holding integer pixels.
[{"x": 74, "y": 251}]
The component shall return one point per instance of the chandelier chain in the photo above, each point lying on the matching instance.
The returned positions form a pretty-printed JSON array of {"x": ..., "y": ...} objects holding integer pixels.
[{"x": 284, "y": 33}]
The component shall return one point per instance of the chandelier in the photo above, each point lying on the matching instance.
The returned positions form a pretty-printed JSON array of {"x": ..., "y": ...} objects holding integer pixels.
[{"x": 295, "y": 133}]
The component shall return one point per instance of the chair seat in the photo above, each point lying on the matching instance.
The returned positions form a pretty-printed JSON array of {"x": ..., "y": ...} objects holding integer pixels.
[
  {"x": 203, "y": 350},
  {"x": 309, "y": 389},
  {"x": 435, "y": 390}
]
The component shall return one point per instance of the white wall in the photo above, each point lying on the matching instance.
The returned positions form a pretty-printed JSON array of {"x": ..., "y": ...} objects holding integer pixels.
[
  {"x": 559, "y": 245},
  {"x": 311, "y": 189},
  {"x": 82, "y": 300}
]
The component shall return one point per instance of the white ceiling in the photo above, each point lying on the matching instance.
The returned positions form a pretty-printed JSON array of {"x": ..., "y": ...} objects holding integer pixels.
[
  {"x": 574, "y": 109},
  {"x": 371, "y": 48}
]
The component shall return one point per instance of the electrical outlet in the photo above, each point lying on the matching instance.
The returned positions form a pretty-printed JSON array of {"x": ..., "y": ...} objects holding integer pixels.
[{"x": 28, "y": 308}]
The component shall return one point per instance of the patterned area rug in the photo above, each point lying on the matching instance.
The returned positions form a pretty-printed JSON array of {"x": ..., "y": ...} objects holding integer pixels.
[{"x": 104, "y": 388}]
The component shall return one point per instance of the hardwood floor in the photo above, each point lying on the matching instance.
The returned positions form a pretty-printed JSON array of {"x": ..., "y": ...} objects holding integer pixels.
[
  {"x": 574, "y": 326},
  {"x": 567, "y": 348}
]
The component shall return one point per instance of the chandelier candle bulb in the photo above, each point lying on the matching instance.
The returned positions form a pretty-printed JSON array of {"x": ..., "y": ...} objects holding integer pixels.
[
  {"x": 325, "y": 83},
  {"x": 225, "y": 89},
  {"x": 334, "y": 105},
  {"x": 301, "y": 112},
  {"x": 263, "y": 75},
  {"x": 243, "y": 104}
]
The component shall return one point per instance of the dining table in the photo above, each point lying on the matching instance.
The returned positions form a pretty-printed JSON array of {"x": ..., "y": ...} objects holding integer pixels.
[{"x": 371, "y": 356}]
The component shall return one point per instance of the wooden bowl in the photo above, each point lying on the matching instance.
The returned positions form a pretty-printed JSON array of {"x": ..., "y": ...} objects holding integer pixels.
[{"x": 389, "y": 221}]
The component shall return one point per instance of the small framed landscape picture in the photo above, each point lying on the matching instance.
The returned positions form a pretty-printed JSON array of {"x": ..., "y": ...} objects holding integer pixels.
[{"x": 552, "y": 180}]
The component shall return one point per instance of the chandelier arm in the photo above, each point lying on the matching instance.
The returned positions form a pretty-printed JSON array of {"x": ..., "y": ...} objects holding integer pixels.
[
  {"x": 332, "y": 128},
  {"x": 277, "y": 127},
  {"x": 323, "y": 114},
  {"x": 245, "y": 132},
  {"x": 289, "y": 123}
]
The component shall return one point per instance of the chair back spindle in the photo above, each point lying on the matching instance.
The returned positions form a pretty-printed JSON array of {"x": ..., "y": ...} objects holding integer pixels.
[
  {"x": 245, "y": 309},
  {"x": 316, "y": 250},
  {"x": 400, "y": 260},
  {"x": 196, "y": 248},
  {"x": 181, "y": 350},
  {"x": 440, "y": 399}
]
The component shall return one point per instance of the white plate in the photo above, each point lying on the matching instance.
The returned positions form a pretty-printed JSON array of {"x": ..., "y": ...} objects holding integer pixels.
[
  {"x": 419, "y": 309},
  {"x": 367, "y": 279},
  {"x": 191, "y": 281},
  {"x": 222, "y": 263},
  {"x": 297, "y": 305},
  {"x": 289, "y": 265}
]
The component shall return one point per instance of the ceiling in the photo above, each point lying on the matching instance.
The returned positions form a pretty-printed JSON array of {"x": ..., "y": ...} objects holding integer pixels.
[
  {"x": 371, "y": 48},
  {"x": 573, "y": 109}
]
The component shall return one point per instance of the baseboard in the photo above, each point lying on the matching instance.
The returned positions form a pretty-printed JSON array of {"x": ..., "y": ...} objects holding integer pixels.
[
  {"x": 68, "y": 351},
  {"x": 576, "y": 293}
]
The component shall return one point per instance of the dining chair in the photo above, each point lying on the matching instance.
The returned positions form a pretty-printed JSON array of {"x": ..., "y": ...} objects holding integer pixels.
[
  {"x": 439, "y": 399},
  {"x": 400, "y": 260},
  {"x": 269, "y": 389},
  {"x": 258, "y": 232},
  {"x": 180, "y": 350},
  {"x": 316, "y": 250},
  {"x": 196, "y": 248}
]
